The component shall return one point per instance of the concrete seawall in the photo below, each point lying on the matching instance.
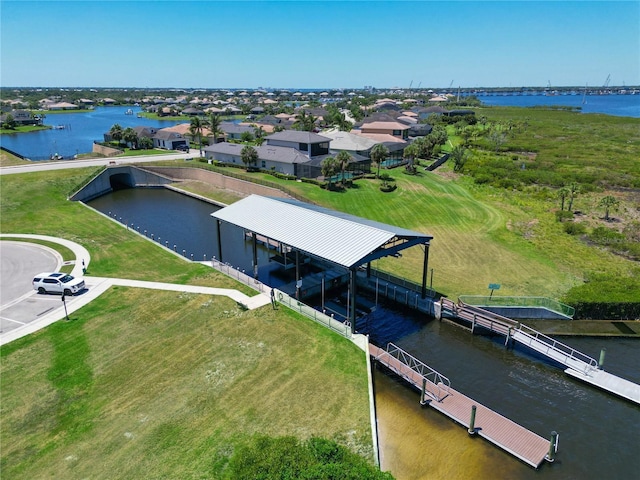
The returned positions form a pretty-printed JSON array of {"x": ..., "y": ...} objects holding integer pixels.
[{"x": 132, "y": 176}]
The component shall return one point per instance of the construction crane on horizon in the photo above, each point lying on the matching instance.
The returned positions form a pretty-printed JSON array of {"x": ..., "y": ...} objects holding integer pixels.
[{"x": 606, "y": 82}]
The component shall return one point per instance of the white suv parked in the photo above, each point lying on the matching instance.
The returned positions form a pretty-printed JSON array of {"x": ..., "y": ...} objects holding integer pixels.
[{"x": 57, "y": 282}]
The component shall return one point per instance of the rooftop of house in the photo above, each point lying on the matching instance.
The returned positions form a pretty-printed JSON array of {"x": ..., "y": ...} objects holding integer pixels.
[
  {"x": 384, "y": 126},
  {"x": 298, "y": 137},
  {"x": 265, "y": 152}
]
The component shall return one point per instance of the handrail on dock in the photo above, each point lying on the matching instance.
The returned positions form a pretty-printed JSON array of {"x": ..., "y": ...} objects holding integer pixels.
[
  {"x": 569, "y": 352},
  {"x": 428, "y": 374}
]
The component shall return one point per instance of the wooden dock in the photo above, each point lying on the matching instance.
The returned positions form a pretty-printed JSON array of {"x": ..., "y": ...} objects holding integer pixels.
[{"x": 436, "y": 392}]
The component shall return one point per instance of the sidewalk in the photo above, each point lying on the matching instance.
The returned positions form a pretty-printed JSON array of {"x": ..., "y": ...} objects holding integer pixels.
[{"x": 99, "y": 285}]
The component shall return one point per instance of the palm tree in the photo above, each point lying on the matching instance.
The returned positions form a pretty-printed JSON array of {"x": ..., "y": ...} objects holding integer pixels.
[
  {"x": 459, "y": 155},
  {"x": 329, "y": 167},
  {"x": 609, "y": 203},
  {"x": 259, "y": 132},
  {"x": 249, "y": 156},
  {"x": 574, "y": 190},
  {"x": 196, "y": 130},
  {"x": 410, "y": 153},
  {"x": 379, "y": 154},
  {"x": 214, "y": 127},
  {"x": 343, "y": 158},
  {"x": 563, "y": 194},
  {"x": 305, "y": 122},
  {"x": 116, "y": 132},
  {"x": 130, "y": 137}
]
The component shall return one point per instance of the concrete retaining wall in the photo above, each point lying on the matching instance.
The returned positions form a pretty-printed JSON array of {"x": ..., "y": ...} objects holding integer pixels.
[
  {"x": 218, "y": 180},
  {"x": 131, "y": 176},
  {"x": 106, "y": 151}
]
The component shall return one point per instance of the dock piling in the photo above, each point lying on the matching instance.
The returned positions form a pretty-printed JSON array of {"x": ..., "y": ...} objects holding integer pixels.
[
  {"x": 553, "y": 447},
  {"x": 472, "y": 422},
  {"x": 601, "y": 359}
]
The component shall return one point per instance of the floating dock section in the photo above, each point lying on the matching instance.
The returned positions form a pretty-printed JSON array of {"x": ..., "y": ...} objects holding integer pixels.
[
  {"x": 578, "y": 365},
  {"x": 477, "y": 418}
]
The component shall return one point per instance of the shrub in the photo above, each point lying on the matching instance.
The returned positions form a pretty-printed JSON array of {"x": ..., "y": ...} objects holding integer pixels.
[
  {"x": 287, "y": 457},
  {"x": 563, "y": 215},
  {"x": 606, "y": 236},
  {"x": 573, "y": 228},
  {"x": 313, "y": 181}
]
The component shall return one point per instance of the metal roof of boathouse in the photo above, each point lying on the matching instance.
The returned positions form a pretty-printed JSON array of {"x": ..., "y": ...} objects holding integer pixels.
[{"x": 338, "y": 237}]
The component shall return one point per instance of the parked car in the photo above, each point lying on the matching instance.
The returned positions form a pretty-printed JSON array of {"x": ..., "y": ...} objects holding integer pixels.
[
  {"x": 57, "y": 282},
  {"x": 182, "y": 148}
]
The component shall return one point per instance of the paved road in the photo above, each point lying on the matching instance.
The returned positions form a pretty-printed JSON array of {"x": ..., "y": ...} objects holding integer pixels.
[
  {"x": 94, "y": 162},
  {"x": 19, "y": 262}
]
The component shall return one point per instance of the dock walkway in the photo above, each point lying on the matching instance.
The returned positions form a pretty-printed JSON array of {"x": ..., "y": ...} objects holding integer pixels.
[
  {"x": 578, "y": 365},
  {"x": 436, "y": 392}
]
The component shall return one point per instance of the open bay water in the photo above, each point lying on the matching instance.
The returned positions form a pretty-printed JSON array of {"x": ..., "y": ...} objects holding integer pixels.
[
  {"x": 616, "y": 105},
  {"x": 80, "y": 130},
  {"x": 598, "y": 432}
]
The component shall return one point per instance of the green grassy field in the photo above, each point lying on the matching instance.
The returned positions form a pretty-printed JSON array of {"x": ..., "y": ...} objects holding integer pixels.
[
  {"x": 167, "y": 385},
  {"x": 481, "y": 234},
  {"x": 8, "y": 160},
  {"x": 36, "y": 203}
]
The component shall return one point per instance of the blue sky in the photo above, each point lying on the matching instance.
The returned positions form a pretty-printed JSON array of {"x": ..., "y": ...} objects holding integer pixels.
[{"x": 327, "y": 44}]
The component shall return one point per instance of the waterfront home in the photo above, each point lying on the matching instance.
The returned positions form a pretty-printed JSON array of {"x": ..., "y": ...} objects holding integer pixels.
[
  {"x": 309, "y": 143},
  {"x": 168, "y": 140},
  {"x": 284, "y": 160},
  {"x": 21, "y": 117}
]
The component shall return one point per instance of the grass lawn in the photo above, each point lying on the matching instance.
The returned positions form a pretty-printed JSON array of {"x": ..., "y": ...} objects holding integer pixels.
[
  {"x": 167, "y": 385},
  {"x": 481, "y": 234},
  {"x": 8, "y": 160},
  {"x": 23, "y": 129},
  {"x": 36, "y": 203},
  {"x": 140, "y": 152}
]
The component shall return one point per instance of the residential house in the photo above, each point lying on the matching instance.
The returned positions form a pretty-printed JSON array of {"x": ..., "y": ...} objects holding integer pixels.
[
  {"x": 309, "y": 143},
  {"x": 394, "y": 128},
  {"x": 355, "y": 145},
  {"x": 22, "y": 117},
  {"x": 233, "y": 131},
  {"x": 168, "y": 140},
  {"x": 280, "y": 159}
]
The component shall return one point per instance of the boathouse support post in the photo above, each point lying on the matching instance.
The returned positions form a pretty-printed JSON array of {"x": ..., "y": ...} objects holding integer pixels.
[
  {"x": 352, "y": 298},
  {"x": 472, "y": 422},
  {"x": 255, "y": 254},
  {"x": 423, "y": 393},
  {"x": 368, "y": 269},
  {"x": 219, "y": 238},
  {"x": 473, "y": 323},
  {"x": 601, "y": 359},
  {"x": 553, "y": 447},
  {"x": 298, "y": 279},
  {"x": 506, "y": 341},
  {"x": 425, "y": 266}
]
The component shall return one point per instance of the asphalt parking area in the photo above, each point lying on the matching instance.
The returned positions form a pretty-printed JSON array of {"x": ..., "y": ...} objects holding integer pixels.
[{"x": 19, "y": 303}]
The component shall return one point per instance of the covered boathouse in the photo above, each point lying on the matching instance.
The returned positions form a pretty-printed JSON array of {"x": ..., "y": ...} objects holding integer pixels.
[{"x": 303, "y": 232}]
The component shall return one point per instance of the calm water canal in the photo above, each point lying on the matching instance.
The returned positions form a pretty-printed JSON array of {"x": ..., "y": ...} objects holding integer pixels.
[
  {"x": 79, "y": 132},
  {"x": 598, "y": 432}
]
